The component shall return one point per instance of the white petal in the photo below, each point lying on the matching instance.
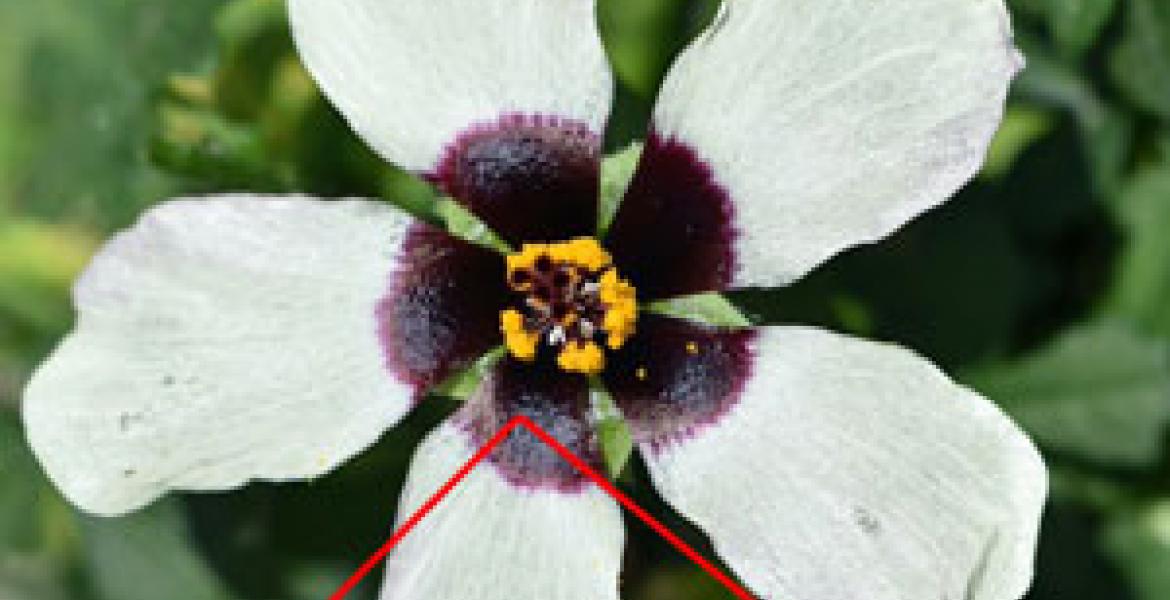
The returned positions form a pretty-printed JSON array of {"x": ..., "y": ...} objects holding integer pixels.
[
  {"x": 220, "y": 340},
  {"x": 490, "y": 540},
  {"x": 410, "y": 75},
  {"x": 857, "y": 470},
  {"x": 832, "y": 122}
]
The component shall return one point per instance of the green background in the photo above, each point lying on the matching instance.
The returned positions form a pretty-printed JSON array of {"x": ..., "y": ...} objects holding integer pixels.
[{"x": 1044, "y": 284}]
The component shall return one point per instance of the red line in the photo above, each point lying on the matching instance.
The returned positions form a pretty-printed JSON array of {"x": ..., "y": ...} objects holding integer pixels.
[{"x": 578, "y": 464}]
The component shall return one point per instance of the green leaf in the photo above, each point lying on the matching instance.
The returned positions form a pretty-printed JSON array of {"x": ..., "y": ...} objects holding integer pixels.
[
  {"x": 682, "y": 583},
  {"x": 148, "y": 556},
  {"x": 202, "y": 144},
  {"x": 1100, "y": 392},
  {"x": 1076, "y": 24},
  {"x": 76, "y": 80},
  {"x": 30, "y": 578},
  {"x": 1106, "y": 131},
  {"x": 1139, "y": 543},
  {"x": 1140, "y": 64},
  {"x": 617, "y": 443},
  {"x": 709, "y": 309},
  {"x": 1021, "y": 127},
  {"x": 253, "y": 37},
  {"x": 38, "y": 263},
  {"x": 616, "y": 172},
  {"x": 1142, "y": 285},
  {"x": 20, "y": 488}
]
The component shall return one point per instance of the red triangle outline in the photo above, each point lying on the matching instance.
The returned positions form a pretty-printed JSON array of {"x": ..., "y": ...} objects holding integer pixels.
[{"x": 522, "y": 421}]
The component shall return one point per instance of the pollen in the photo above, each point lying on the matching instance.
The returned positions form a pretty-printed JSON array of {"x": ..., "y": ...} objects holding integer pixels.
[
  {"x": 519, "y": 341},
  {"x": 581, "y": 357},
  {"x": 573, "y": 301}
]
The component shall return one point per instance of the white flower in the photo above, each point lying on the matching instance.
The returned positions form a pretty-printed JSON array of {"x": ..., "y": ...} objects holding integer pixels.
[{"x": 235, "y": 338}]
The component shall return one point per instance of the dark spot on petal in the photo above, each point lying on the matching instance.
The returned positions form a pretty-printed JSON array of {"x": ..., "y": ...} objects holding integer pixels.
[
  {"x": 128, "y": 420},
  {"x": 866, "y": 521},
  {"x": 674, "y": 233},
  {"x": 442, "y": 309},
  {"x": 529, "y": 177},
  {"x": 669, "y": 389},
  {"x": 556, "y": 401}
]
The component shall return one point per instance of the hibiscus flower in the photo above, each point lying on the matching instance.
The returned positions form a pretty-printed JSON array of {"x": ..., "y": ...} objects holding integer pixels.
[{"x": 236, "y": 338}]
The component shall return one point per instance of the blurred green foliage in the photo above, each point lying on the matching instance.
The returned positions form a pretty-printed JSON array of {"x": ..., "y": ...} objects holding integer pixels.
[{"x": 1045, "y": 283}]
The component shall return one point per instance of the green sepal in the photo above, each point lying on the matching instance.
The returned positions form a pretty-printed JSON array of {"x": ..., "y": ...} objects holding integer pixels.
[
  {"x": 461, "y": 385},
  {"x": 616, "y": 172},
  {"x": 709, "y": 309},
  {"x": 462, "y": 224},
  {"x": 613, "y": 434}
]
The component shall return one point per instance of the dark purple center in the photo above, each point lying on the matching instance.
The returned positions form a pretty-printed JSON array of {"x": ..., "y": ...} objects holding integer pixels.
[{"x": 535, "y": 179}]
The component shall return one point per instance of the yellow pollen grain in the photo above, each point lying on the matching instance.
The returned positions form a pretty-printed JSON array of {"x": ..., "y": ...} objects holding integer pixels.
[
  {"x": 585, "y": 358},
  {"x": 692, "y": 348},
  {"x": 520, "y": 342}
]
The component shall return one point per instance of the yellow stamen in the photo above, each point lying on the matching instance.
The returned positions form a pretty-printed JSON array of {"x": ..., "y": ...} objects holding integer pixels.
[
  {"x": 641, "y": 373},
  {"x": 569, "y": 277},
  {"x": 585, "y": 358},
  {"x": 519, "y": 341},
  {"x": 621, "y": 308},
  {"x": 526, "y": 258},
  {"x": 582, "y": 252},
  {"x": 692, "y": 348}
]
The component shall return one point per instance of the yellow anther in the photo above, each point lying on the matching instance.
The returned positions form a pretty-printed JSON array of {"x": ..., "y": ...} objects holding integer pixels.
[
  {"x": 641, "y": 373},
  {"x": 692, "y": 348},
  {"x": 583, "y": 252},
  {"x": 585, "y": 358},
  {"x": 621, "y": 308},
  {"x": 614, "y": 289},
  {"x": 526, "y": 258},
  {"x": 521, "y": 343}
]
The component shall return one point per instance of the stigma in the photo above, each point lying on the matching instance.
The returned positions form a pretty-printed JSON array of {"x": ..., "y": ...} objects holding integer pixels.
[{"x": 574, "y": 304}]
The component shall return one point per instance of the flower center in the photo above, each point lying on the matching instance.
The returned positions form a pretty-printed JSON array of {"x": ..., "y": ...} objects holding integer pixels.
[{"x": 574, "y": 302}]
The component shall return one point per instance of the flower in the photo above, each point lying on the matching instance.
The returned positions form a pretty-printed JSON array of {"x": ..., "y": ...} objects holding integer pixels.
[{"x": 235, "y": 338}]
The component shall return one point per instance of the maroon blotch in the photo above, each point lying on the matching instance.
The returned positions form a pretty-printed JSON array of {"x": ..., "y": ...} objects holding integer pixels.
[
  {"x": 674, "y": 233},
  {"x": 675, "y": 377},
  {"x": 441, "y": 311},
  {"x": 531, "y": 178},
  {"x": 556, "y": 401}
]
